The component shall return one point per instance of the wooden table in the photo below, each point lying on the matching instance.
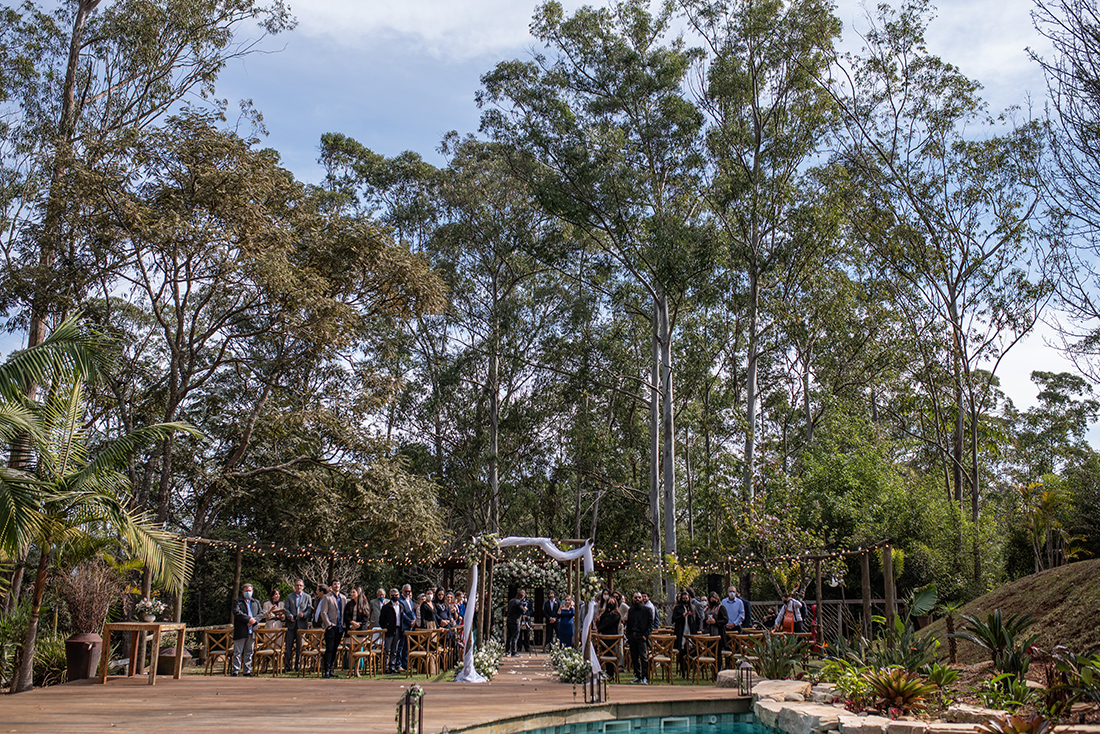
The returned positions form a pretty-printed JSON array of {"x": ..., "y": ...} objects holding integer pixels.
[{"x": 135, "y": 629}]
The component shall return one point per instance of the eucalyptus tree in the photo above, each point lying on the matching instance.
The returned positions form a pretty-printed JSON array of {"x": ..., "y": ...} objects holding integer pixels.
[
  {"x": 255, "y": 306},
  {"x": 1073, "y": 84},
  {"x": 951, "y": 209},
  {"x": 767, "y": 120},
  {"x": 93, "y": 70},
  {"x": 598, "y": 127}
]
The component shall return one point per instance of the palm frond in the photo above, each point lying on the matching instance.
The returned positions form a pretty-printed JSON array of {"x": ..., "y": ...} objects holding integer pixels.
[
  {"x": 16, "y": 418},
  {"x": 119, "y": 451},
  {"x": 70, "y": 348},
  {"x": 20, "y": 504}
]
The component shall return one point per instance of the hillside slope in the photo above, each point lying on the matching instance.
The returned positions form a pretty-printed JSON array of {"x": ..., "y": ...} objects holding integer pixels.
[{"x": 1065, "y": 603}]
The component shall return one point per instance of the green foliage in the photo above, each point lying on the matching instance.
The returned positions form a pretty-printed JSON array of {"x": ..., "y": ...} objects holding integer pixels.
[
  {"x": 851, "y": 682},
  {"x": 777, "y": 655},
  {"x": 49, "y": 660},
  {"x": 1005, "y": 691},
  {"x": 941, "y": 675},
  {"x": 1082, "y": 673},
  {"x": 898, "y": 689},
  {"x": 1002, "y": 639},
  {"x": 1013, "y": 724}
]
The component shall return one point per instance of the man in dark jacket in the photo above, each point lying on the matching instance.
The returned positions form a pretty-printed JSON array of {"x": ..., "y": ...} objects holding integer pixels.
[
  {"x": 246, "y": 614},
  {"x": 389, "y": 620},
  {"x": 639, "y": 623},
  {"x": 299, "y": 610},
  {"x": 550, "y": 610},
  {"x": 516, "y": 609}
]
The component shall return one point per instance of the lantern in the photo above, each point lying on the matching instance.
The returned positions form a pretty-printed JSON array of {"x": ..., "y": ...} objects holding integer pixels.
[{"x": 744, "y": 678}]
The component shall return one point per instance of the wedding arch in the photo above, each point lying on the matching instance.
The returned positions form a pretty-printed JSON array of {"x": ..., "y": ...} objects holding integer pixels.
[{"x": 468, "y": 674}]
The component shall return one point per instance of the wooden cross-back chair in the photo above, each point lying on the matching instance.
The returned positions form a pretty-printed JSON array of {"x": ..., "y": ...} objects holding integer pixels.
[
  {"x": 422, "y": 653},
  {"x": 269, "y": 654},
  {"x": 607, "y": 650},
  {"x": 311, "y": 639},
  {"x": 662, "y": 654},
  {"x": 217, "y": 645},
  {"x": 704, "y": 654}
]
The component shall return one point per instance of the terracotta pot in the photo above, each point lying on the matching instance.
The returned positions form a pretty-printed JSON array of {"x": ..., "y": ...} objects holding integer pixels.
[{"x": 82, "y": 652}]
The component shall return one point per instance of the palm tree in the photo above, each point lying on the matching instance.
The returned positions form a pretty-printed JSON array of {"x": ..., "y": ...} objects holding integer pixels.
[{"x": 65, "y": 495}]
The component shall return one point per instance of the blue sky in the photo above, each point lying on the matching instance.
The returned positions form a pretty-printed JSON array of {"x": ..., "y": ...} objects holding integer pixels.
[{"x": 398, "y": 76}]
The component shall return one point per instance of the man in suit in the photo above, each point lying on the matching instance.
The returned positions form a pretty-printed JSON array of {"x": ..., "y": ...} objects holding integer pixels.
[
  {"x": 299, "y": 610},
  {"x": 550, "y": 609},
  {"x": 330, "y": 617},
  {"x": 376, "y": 605},
  {"x": 246, "y": 614},
  {"x": 516, "y": 609},
  {"x": 408, "y": 620},
  {"x": 639, "y": 625},
  {"x": 389, "y": 619}
]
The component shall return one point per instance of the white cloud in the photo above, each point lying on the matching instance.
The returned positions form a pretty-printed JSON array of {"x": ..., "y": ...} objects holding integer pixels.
[{"x": 443, "y": 29}]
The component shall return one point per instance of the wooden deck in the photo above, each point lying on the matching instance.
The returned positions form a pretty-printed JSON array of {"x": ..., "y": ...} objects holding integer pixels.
[{"x": 199, "y": 703}]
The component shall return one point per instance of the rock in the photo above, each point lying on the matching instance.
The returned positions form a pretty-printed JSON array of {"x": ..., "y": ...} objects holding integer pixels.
[
  {"x": 863, "y": 724},
  {"x": 777, "y": 690},
  {"x": 961, "y": 713},
  {"x": 824, "y": 693},
  {"x": 906, "y": 727},
  {"x": 806, "y": 718},
  {"x": 940, "y": 727},
  {"x": 767, "y": 712},
  {"x": 726, "y": 679},
  {"x": 795, "y": 697}
]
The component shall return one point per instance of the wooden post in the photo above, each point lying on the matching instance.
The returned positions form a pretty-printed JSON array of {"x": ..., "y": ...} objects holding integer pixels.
[
  {"x": 817, "y": 611},
  {"x": 486, "y": 607},
  {"x": 865, "y": 564},
  {"x": 888, "y": 583},
  {"x": 237, "y": 575}
]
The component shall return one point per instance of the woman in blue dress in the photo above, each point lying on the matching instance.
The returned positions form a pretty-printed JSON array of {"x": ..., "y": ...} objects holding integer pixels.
[{"x": 566, "y": 616}]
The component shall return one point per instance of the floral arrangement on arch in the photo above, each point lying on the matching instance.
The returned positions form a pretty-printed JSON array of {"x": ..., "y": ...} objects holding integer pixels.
[
  {"x": 529, "y": 574},
  {"x": 486, "y": 543},
  {"x": 150, "y": 606},
  {"x": 591, "y": 587}
]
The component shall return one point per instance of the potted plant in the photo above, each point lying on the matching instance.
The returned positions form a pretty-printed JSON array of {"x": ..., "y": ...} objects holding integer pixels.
[
  {"x": 88, "y": 589},
  {"x": 148, "y": 609}
]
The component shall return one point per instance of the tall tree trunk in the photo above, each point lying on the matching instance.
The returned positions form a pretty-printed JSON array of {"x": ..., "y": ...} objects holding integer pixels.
[
  {"x": 750, "y": 386},
  {"x": 690, "y": 489},
  {"x": 655, "y": 437},
  {"x": 494, "y": 416},
  {"x": 24, "y": 674},
  {"x": 974, "y": 489},
  {"x": 15, "y": 588},
  {"x": 668, "y": 429}
]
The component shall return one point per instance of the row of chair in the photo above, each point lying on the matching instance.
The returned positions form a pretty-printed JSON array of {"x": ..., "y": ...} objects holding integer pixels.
[
  {"x": 701, "y": 653},
  {"x": 362, "y": 650}
]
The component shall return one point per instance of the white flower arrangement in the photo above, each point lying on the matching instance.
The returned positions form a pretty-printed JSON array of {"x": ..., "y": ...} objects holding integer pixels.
[
  {"x": 526, "y": 573},
  {"x": 487, "y": 543},
  {"x": 150, "y": 606},
  {"x": 569, "y": 664},
  {"x": 487, "y": 658},
  {"x": 591, "y": 587}
]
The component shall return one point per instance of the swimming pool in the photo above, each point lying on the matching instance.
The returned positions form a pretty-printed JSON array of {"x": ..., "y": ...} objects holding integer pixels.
[{"x": 689, "y": 724}]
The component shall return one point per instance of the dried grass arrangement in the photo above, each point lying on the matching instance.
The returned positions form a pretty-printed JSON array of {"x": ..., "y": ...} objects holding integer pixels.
[{"x": 89, "y": 589}]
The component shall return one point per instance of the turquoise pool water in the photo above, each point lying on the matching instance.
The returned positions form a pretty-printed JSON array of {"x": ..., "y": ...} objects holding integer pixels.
[{"x": 700, "y": 724}]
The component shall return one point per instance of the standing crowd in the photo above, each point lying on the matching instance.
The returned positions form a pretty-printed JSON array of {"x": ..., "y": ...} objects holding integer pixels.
[
  {"x": 337, "y": 614},
  {"x": 399, "y": 612}
]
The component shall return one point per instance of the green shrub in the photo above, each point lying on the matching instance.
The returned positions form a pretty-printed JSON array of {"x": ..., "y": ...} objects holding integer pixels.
[
  {"x": 777, "y": 655},
  {"x": 49, "y": 661},
  {"x": 899, "y": 690}
]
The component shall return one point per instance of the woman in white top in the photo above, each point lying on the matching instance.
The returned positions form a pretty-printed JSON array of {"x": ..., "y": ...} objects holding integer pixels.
[{"x": 273, "y": 612}]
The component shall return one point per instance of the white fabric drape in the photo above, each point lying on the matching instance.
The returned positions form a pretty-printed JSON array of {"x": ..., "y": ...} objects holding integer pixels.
[{"x": 468, "y": 674}]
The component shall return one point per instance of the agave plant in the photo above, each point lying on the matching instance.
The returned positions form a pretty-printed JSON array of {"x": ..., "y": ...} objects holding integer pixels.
[
  {"x": 1012, "y": 724},
  {"x": 899, "y": 689},
  {"x": 776, "y": 655}
]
